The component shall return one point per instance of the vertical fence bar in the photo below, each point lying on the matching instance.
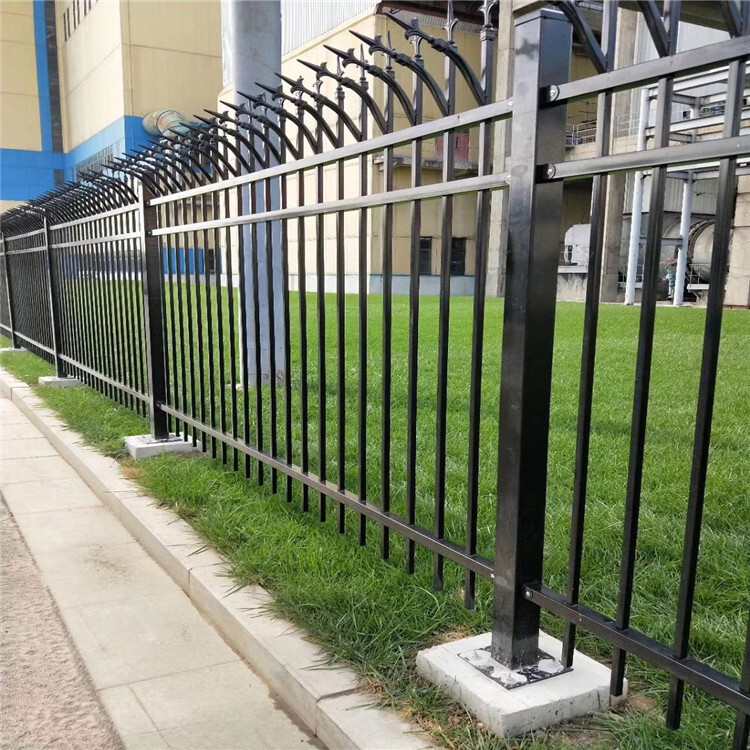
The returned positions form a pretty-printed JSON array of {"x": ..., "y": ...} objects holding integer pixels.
[
  {"x": 543, "y": 44},
  {"x": 446, "y": 244},
  {"x": 153, "y": 298},
  {"x": 9, "y": 290},
  {"x": 53, "y": 299},
  {"x": 414, "y": 283},
  {"x": 387, "y": 331},
  {"x": 590, "y": 327},
  {"x": 725, "y": 204},
  {"x": 320, "y": 270},
  {"x": 340, "y": 322},
  {"x": 362, "y": 288},
  {"x": 643, "y": 363},
  {"x": 488, "y": 38}
]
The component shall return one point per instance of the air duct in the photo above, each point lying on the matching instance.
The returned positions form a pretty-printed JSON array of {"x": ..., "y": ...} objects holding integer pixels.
[{"x": 163, "y": 121}]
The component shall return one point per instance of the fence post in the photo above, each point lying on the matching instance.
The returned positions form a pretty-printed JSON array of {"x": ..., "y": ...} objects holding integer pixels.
[
  {"x": 54, "y": 303},
  {"x": 153, "y": 301},
  {"x": 9, "y": 289},
  {"x": 542, "y": 59}
]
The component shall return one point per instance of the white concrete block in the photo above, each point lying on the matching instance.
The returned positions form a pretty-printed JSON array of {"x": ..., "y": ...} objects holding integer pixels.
[
  {"x": 56, "y": 382},
  {"x": 508, "y": 713},
  {"x": 353, "y": 722},
  {"x": 12, "y": 350},
  {"x": 144, "y": 446}
]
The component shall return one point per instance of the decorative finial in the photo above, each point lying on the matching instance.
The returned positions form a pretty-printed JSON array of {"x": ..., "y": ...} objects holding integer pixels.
[{"x": 450, "y": 21}]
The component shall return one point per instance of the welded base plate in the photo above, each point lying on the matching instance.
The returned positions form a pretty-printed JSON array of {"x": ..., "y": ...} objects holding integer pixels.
[{"x": 544, "y": 667}]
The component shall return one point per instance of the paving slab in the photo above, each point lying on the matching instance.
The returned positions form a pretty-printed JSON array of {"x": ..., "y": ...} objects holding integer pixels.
[
  {"x": 34, "y": 469},
  {"x": 326, "y": 699},
  {"x": 21, "y": 430},
  {"x": 57, "y": 494},
  {"x": 137, "y": 638},
  {"x": 73, "y": 527},
  {"x": 28, "y": 448},
  {"x": 157, "y": 669}
]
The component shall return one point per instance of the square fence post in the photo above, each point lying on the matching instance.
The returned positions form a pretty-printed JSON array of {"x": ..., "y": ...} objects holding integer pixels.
[
  {"x": 9, "y": 291},
  {"x": 53, "y": 296},
  {"x": 542, "y": 59},
  {"x": 153, "y": 298}
]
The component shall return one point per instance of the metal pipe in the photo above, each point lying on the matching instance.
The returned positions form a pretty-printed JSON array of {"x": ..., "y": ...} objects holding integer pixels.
[
  {"x": 685, "y": 216},
  {"x": 636, "y": 210}
]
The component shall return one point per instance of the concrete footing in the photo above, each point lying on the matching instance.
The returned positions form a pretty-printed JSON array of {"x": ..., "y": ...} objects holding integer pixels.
[
  {"x": 12, "y": 350},
  {"x": 145, "y": 446},
  {"x": 465, "y": 669},
  {"x": 56, "y": 382}
]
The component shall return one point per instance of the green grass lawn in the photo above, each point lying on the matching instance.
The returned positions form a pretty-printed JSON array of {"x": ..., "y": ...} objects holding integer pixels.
[{"x": 371, "y": 614}]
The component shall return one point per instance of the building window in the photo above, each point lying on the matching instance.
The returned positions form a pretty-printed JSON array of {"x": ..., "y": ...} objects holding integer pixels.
[
  {"x": 425, "y": 256},
  {"x": 458, "y": 256}
]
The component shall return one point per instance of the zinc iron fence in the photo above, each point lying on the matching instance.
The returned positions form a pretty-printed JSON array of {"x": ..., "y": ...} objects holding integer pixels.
[{"x": 301, "y": 390}]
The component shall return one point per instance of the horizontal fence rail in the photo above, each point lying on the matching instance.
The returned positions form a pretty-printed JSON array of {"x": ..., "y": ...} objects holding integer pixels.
[{"x": 221, "y": 283}]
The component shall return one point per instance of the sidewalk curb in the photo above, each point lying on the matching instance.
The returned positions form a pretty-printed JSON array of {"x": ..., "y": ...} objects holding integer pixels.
[{"x": 326, "y": 699}]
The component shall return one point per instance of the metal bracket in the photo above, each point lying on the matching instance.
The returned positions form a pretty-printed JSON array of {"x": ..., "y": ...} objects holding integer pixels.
[{"x": 544, "y": 667}]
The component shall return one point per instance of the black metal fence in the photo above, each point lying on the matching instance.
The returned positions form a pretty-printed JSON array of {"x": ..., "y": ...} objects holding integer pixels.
[{"x": 166, "y": 284}]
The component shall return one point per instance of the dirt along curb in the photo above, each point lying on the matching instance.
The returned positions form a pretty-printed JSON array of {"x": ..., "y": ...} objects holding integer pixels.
[{"x": 326, "y": 699}]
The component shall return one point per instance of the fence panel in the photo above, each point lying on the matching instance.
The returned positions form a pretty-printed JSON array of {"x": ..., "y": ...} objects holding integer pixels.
[
  {"x": 98, "y": 265},
  {"x": 27, "y": 269},
  {"x": 221, "y": 281}
]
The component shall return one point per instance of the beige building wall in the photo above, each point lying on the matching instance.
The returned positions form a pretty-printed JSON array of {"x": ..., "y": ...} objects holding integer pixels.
[
  {"x": 91, "y": 71},
  {"x": 464, "y": 224},
  {"x": 7, "y": 205},
  {"x": 20, "y": 127},
  {"x": 131, "y": 57},
  {"x": 171, "y": 55}
]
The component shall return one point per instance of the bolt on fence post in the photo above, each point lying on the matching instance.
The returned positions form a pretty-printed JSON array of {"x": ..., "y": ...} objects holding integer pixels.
[
  {"x": 53, "y": 296},
  {"x": 542, "y": 59},
  {"x": 9, "y": 290},
  {"x": 153, "y": 299}
]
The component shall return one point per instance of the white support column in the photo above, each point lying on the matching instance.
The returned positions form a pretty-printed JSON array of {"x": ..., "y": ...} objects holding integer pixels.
[
  {"x": 685, "y": 217},
  {"x": 637, "y": 205}
]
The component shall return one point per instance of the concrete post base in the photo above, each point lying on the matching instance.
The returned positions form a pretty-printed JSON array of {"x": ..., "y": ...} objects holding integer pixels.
[
  {"x": 512, "y": 712},
  {"x": 144, "y": 446},
  {"x": 12, "y": 350},
  {"x": 56, "y": 382}
]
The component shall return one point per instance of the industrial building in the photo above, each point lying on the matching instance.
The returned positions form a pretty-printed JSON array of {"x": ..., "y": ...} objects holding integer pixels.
[
  {"x": 85, "y": 74},
  {"x": 78, "y": 77}
]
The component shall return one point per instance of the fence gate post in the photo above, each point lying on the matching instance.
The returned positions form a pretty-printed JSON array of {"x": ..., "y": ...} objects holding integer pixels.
[
  {"x": 9, "y": 290},
  {"x": 54, "y": 302},
  {"x": 153, "y": 299},
  {"x": 542, "y": 59}
]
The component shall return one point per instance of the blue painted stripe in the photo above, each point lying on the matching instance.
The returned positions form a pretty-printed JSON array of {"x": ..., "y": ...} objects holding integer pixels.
[
  {"x": 26, "y": 174},
  {"x": 42, "y": 74}
]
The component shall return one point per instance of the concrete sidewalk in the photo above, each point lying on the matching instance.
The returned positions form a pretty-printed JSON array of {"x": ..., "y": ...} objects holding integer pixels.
[{"x": 164, "y": 675}]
